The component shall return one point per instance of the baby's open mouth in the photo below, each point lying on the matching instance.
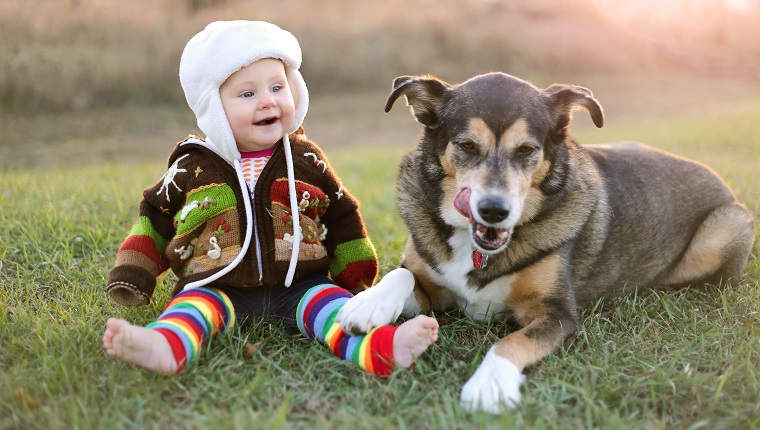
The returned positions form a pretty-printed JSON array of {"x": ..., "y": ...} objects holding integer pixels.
[{"x": 268, "y": 121}]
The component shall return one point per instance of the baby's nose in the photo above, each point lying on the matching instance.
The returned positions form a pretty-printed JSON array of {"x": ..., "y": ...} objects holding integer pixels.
[{"x": 267, "y": 101}]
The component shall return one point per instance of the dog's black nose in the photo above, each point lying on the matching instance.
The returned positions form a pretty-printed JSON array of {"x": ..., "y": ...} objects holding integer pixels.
[{"x": 493, "y": 209}]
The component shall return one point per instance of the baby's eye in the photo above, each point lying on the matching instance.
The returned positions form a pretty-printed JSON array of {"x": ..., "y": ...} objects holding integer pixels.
[
  {"x": 247, "y": 94},
  {"x": 276, "y": 88}
]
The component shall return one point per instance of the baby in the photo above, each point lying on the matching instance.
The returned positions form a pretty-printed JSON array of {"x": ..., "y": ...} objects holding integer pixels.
[{"x": 252, "y": 219}]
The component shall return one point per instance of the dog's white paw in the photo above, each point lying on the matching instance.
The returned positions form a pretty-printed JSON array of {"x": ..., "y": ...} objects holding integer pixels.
[
  {"x": 494, "y": 386},
  {"x": 377, "y": 306}
]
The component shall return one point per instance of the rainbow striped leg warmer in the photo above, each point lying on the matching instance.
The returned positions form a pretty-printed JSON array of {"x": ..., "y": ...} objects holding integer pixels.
[
  {"x": 192, "y": 316},
  {"x": 317, "y": 310}
]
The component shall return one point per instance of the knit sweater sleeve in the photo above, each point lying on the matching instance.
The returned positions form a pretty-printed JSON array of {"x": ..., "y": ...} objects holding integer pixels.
[
  {"x": 141, "y": 258},
  {"x": 353, "y": 259}
]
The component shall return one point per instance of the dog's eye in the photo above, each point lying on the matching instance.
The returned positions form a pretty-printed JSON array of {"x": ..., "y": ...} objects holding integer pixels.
[
  {"x": 526, "y": 149},
  {"x": 467, "y": 145}
]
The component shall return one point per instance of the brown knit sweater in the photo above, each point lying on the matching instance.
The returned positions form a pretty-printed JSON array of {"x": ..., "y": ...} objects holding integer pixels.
[{"x": 200, "y": 221}]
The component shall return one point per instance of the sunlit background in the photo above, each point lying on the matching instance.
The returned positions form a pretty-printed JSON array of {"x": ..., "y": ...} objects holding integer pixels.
[{"x": 102, "y": 74}]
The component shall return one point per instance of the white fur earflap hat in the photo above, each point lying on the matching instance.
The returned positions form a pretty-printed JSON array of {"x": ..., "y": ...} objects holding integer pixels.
[{"x": 223, "y": 48}]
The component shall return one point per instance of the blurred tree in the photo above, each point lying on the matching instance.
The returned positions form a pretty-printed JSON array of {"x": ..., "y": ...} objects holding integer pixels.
[{"x": 196, "y": 5}]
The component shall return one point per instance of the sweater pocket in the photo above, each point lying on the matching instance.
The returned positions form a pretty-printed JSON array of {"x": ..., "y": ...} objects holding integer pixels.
[
  {"x": 312, "y": 203},
  {"x": 208, "y": 231}
]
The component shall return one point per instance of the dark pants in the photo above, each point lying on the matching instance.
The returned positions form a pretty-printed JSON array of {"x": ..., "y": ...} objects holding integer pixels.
[{"x": 274, "y": 304}]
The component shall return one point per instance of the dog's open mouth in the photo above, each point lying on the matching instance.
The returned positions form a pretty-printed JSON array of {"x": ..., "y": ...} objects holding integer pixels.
[
  {"x": 489, "y": 238},
  {"x": 485, "y": 237}
]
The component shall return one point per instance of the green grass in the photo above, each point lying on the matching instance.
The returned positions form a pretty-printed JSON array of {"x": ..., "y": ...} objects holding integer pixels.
[{"x": 666, "y": 359}]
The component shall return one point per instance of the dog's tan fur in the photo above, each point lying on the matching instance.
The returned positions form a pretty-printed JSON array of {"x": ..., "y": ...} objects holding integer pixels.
[
  {"x": 579, "y": 221},
  {"x": 427, "y": 293}
]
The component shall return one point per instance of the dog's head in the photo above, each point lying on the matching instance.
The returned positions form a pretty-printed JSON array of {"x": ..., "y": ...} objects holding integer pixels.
[{"x": 497, "y": 139}]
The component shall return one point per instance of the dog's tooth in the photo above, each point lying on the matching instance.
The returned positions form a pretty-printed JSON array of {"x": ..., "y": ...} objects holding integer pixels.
[
  {"x": 503, "y": 234},
  {"x": 480, "y": 233}
]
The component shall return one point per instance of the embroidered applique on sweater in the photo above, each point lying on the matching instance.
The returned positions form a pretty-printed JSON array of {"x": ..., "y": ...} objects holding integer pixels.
[{"x": 196, "y": 222}]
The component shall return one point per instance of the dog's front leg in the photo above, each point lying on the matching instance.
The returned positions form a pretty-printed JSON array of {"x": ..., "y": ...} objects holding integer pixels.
[
  {"x": 379, "y": 305},
  {"x": 495, "y": 385}
]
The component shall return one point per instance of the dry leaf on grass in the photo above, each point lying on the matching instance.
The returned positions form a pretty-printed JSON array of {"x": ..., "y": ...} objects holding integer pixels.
[{"x": 250, "y": 349}]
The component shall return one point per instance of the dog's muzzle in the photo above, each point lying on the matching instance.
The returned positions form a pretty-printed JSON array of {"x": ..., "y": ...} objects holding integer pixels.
[{"x": 492, "y": 210}]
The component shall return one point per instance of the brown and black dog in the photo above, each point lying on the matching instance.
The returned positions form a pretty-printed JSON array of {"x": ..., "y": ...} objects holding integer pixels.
[{"x": 509, "y": 217}]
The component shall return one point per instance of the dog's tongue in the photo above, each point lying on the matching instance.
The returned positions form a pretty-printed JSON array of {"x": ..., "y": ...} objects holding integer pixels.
[{"x": 462, "y": 203}]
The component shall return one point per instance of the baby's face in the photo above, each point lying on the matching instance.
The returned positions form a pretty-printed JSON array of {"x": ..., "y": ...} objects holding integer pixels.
[{"x": 259, "y": 105}]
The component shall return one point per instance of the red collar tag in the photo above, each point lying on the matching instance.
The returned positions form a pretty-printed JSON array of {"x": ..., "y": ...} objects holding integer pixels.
[{"x": 479, "y": 260}]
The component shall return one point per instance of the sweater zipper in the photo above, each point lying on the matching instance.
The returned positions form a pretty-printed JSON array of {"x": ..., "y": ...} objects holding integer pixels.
[{"x": 256, "y": 234}]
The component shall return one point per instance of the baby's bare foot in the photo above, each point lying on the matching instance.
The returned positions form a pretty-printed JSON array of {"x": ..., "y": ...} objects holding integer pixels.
[
  {"x": 139, "y": 345},
  {"x": 412, "y": 338}
]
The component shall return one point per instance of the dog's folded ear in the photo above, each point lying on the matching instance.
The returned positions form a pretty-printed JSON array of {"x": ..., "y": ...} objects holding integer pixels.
[
  {"x": 423, "y": 94},
  {"x": 566, "y": 98}
]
